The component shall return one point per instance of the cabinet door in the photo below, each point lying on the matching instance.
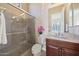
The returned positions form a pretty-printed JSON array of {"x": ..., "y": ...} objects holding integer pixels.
[
  {"x": 70, "y": 52},
  {"x": 52, "y": 51}
]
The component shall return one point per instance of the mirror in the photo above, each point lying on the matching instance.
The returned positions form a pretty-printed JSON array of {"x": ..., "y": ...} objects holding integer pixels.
[
  {"x": 74, "y": 19},
  {"x": 56, "y": 19},
  {"x": 57, "y": 22}
]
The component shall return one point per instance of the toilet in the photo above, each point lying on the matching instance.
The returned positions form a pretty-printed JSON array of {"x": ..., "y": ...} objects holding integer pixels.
[
  {"x": 38, "y": 47},
  {"x": 36, "y": 50}
]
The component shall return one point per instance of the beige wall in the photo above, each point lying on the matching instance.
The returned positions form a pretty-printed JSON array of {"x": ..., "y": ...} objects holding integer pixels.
[
  {"x": 35, "y": 10},
  {"x": 40, "y": 11}
]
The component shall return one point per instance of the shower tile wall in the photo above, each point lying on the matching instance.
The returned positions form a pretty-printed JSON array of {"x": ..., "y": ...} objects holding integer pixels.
[
  {"x": 31, "y": 28},
  {"x": 20, "y": 35}
]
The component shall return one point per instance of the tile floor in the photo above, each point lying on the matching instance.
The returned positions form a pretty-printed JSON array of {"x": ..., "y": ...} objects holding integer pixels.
[{"x": 28, "y": 53}]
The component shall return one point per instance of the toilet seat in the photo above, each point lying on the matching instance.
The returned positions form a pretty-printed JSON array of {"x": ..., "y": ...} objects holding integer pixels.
[{"x": 36, "y": 49}]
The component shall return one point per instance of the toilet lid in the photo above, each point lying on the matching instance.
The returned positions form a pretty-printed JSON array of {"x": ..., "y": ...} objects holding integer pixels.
[{"x": 36, "y": 48}]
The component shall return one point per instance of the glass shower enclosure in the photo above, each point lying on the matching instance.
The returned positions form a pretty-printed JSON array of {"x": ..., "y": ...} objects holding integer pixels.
[{"x": 20, "y": 32}]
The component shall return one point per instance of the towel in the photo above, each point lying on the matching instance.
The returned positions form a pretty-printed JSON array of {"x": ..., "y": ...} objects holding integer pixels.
[{"x": 3, "y": 37}]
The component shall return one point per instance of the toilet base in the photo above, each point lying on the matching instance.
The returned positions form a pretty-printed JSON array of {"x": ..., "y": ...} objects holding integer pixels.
[{"x": 39, "y": 54}]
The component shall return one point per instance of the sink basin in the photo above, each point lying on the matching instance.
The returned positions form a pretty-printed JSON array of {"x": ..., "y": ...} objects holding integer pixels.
[{"x": 69, "y": 37}]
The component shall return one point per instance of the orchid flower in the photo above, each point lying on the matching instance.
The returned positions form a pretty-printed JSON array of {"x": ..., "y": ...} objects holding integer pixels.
[{"x": 41, "y": 29}]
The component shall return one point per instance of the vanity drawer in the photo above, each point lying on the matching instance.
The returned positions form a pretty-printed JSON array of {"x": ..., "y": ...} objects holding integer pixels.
[
  {"x": 52, "y": 50},
  {"x": 70, "y": 52}
]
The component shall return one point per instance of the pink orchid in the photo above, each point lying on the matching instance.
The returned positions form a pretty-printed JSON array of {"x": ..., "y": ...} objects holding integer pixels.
[{"x": 40, "y": 29}]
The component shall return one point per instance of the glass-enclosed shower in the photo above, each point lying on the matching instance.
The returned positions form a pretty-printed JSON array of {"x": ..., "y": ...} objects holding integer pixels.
[{"x": 20, "y": 33}]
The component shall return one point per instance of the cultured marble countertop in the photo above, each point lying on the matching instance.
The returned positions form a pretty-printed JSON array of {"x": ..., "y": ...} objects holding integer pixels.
[{"x": 66, "y": 37}]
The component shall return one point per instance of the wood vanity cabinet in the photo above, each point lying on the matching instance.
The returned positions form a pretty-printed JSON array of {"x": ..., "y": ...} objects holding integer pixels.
[
  {"x": 53, "y": 50},
  {"x": 61, "y": 48},
  {"x": 69, "y": 52}
]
